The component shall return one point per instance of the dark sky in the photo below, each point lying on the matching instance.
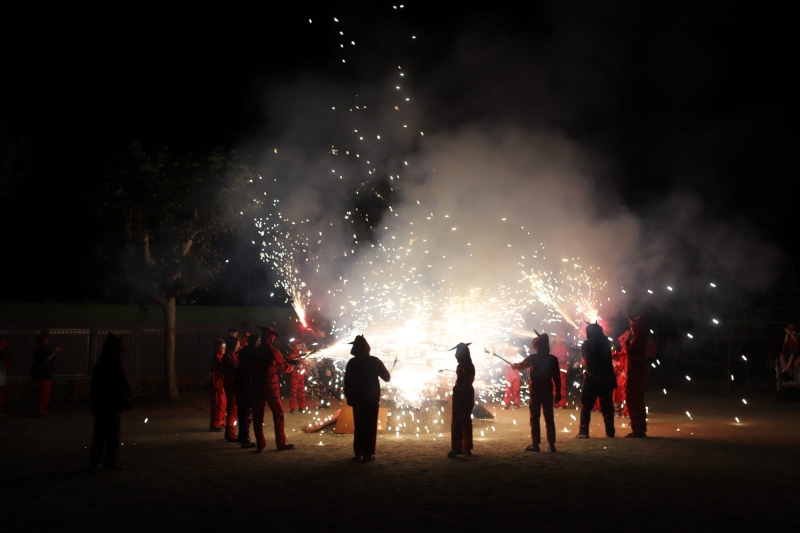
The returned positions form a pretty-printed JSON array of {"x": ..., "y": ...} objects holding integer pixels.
[{"x": 660, "y": 98}]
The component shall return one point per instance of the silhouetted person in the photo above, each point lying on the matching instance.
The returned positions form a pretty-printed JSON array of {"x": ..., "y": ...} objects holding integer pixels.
[
  {"x": 363, "y": 393},
  {"x": 545, "y": 378},
  {"x": 599, "y": 380},
  {"x": 463, "y": 403},
  {"x": 110, "y": 395},
  {"x": 242, "y": 385}
]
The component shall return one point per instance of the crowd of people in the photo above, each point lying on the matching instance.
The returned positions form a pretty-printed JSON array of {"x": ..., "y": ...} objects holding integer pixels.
[{"x": 245, "y": 381}]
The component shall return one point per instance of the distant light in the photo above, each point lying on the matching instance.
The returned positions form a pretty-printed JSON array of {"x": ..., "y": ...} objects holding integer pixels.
[
  {"x": 688, "y": 378},
  {"x": 689, "y": 335},
  {"x": 712, "y": 284},
  {"x": 669, "y": 288},
  {"x": 145, "y": 420},
  {"x": 649, "y": 291}
]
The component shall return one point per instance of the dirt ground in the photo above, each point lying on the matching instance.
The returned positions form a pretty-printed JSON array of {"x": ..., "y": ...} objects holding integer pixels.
[{"x": 699, "y": 470}]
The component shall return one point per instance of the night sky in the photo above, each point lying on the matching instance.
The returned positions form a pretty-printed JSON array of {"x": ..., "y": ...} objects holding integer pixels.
[{"x": 662, "y": 106}]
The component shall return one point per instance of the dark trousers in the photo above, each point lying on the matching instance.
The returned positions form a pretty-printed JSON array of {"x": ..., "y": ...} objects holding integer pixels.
[
  {"x": 592, "y": 390},
  {"x": 542, "y": 405},
  {"x": 461, "y": 423},
  {"x": 365, "y": 430},
  {"x": 244, "y": 415},
  {"x": 106, "y": 439}
]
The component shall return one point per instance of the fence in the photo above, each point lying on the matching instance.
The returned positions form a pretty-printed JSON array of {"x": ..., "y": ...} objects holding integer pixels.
[{"x": 143, "y": 358}]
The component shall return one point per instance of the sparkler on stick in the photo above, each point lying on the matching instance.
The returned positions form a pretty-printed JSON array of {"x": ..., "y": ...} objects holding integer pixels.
[{"x": 493, "y": 354}]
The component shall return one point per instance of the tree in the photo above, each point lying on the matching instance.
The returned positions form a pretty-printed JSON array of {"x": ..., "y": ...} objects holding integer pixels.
[{"x": 165, "y": 216}]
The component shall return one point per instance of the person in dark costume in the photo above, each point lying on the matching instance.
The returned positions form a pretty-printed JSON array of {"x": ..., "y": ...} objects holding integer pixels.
[
  {"x": 110, "y": 395},
  {"x": 463, "y": 403},
  {"x": 242, "y": 384},
  {"x": 544, "y": 391},
  {"x": 230, "y": 362},
  {"x": 265, "y": 389},
  {"x": 363, "y": 393},
  {"x": 599, "y": 380}
]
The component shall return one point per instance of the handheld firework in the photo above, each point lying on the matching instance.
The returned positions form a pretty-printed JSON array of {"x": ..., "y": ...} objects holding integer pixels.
[{"x": 493, "y": 354}]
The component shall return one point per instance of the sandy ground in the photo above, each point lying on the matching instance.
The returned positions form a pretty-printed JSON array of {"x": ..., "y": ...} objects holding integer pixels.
[{"x": 699, "y": 470}]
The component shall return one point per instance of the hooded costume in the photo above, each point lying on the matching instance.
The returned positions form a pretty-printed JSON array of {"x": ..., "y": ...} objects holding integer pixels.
[
  {"x": 545, "y": 389},
  {"x": 599, "y": 380},
  {"x": 638, "y": 373}
]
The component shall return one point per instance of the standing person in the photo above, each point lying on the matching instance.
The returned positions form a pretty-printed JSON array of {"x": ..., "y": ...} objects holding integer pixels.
[
  {"x": 297, "y": 390},
  {"x": 545, "y": 390},
  {"x": 42, "y": 372},
  {"x": 218, "y": 400},
  {"x": 230, "y": 361},
  {"x": 619, "y": 358},
  {"x": 363, "y": 393},
  {"x": 599, "y": 381},
  {"x": 638, "y": 373},
  {"x": 110, "y": 394},
  {"x": 5, "y": 370},
  {"x": 232, "y": 339},
  {"x": 266, "y": 389},
  {"x": 463, "y": 403},
  {"x": 561, "y": 352},
  {"x": 242, "y": 385}
]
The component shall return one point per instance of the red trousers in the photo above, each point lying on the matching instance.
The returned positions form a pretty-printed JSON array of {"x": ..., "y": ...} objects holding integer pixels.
[
  {"x": 634, "y": 396},
  {"x": 45, "y": 388},
  {"x": 512, "y": 393},
  {"x": 218, "y": 407},
  {"x": 259, "y": 408},
  {"x": 297, "y": 394},
  {"x": 563, "y": 371}
]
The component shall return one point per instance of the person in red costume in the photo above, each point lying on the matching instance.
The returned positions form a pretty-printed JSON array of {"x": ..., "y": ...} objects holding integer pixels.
[
  {"x": 638, "y": 373},
  {"x": 297, "y": 380},
  {"x": 362, "y": 390},
  {"x": 463, "y": 403},
  {"x": 44, "y": 359},
  {"x": 511, "y": 397},
  {"x": 266, "y": 362},
  {"x": 544, "y": 390},
  {"x": 619, "y": 358},
  {"x": 561, "y": 352},
  {"x": 218, "y": 401}
]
